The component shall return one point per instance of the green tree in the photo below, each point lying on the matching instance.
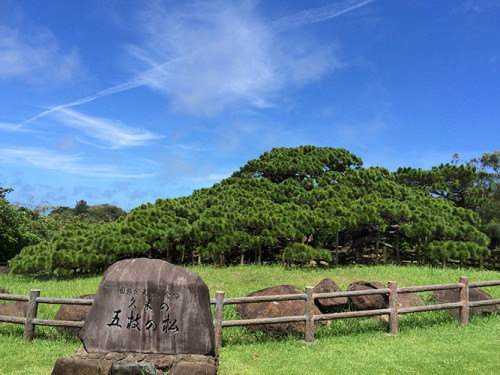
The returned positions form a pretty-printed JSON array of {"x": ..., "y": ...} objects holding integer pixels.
[
  {"x": 289, "y": 205},
  {"x": 81, "y": 207}
]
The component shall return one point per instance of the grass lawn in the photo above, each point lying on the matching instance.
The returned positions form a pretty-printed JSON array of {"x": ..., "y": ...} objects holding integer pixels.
[{"x": 428, "y": 343}]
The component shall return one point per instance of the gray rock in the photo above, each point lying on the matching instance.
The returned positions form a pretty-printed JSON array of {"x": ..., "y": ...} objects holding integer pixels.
[
  {"x": 406, "y": 300},
  {"x": 371, "y": 302},
  {"x": 275, "y": 309},
  {"x": 150, "y": 306},
  {"x": 74, "y": 313},
  {"x": 330, "y": 305},
  {"x": 192, "y": 368},
  {"x": 475, "y": 294},
  {"x": 77, "y": 366},
  {"x": 120, "y": 368},
  {"x": 409, "y": 300},
  {"x": 14, "y": 309}
]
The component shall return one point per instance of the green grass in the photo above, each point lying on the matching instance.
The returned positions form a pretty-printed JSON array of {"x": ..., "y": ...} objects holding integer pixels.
[{"x": 428, "y": 343}]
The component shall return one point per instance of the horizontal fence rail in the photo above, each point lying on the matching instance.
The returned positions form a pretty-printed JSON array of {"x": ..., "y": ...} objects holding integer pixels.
[{"x": 309, "y": 317}]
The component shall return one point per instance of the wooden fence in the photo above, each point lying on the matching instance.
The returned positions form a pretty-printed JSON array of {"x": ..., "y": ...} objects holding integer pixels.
[
  {"x": 308, "y": 297},
  {"x": 31, "y": 320}
]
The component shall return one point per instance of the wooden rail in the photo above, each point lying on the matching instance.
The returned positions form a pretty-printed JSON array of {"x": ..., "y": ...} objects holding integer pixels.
[
  {"x": 392, "y": 311},
  {"x": 31, "y": 320},
  {"x": 309, "y": 317}
]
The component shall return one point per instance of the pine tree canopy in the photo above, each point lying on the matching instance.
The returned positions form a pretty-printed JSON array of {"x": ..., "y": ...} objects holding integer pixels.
[{"x": 289, "y": 205}]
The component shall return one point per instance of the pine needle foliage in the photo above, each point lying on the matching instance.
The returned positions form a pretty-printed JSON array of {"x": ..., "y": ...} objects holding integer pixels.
[{"x": 289, "y": 205}]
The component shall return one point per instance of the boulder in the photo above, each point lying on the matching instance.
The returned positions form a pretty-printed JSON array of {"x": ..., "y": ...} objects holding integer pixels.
[
  {"x": 192, "y": 368},
  {"x": 74, "y": 313},
  {"x": 120, "y": 368},
  {"x": 475, "y": 294},
  {"x": 275, "y": 309},
  {"x": 14, "y": 309},
  {"x": 4, "y": 269},
  {"x": 330, "y": 305},
  {"x": 371, "y": 302},
  {"x": 409, "y": 300},
  {"x": 75, "y": 366},
  {"x": 4, "y": 291},
  {"x": 406, "y": 300},
  {"x": 150, "y": 306}
]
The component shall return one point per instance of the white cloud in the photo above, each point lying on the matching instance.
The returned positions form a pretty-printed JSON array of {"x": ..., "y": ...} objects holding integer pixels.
[
  {"x": 73, "y": 164},
  {"x": 35, "y": 56},
  {"x": 324, "y": 13},
  {"x": 207, "y": 56},
  {"x": 112, "y": 133}
]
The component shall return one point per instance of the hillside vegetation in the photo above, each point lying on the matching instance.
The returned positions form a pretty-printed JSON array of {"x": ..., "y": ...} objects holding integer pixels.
[{"x": 293, "y": 205}]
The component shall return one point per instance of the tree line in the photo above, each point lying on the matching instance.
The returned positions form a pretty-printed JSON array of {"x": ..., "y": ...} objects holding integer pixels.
[
  {"x": 295, "y": 205},
  {"x": 21, "y": 226}
]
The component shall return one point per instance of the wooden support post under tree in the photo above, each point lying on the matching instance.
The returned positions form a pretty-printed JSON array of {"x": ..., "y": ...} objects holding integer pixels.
[
  {"x": 398, "y": 257},
  {"x": 336, "y": 248},
  {"x": 29, "y": 328},
  {"x": 377, "y": 245}
]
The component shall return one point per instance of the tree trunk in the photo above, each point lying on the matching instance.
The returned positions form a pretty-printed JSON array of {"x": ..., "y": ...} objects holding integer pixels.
[
  {"x": 377, "y": 244},
  {"x": 419, "y": 251},
  {"x": 398, "y": 258},
  {"x": 199, "y": 259},
  {"x": 242, "y": 260},
  {"x": 336, "y": 248}
]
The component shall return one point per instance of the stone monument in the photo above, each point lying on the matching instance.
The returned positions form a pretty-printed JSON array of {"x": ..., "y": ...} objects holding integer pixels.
[{"x": 148, "y": 312}]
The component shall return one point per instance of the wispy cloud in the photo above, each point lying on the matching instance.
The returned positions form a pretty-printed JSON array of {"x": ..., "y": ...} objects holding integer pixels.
[
  {"x": 12, "y": 127},
  {"x": 109, "y": 91},
  {"x": 320, "y": 14},
  {"x": 111, "y": 133},
  {"x": 72, "y": 164},
  {"x": 207, "y": 56},
  {"x": 35, "y": 56}
]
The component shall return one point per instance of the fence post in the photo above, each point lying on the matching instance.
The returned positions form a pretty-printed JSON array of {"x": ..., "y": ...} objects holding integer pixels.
[
  {"x": 29, "y": 327},
  {"x": 393, "y": 307},
  {"x": 309, "y": 333},
  {"x": 464, "y": 300},
  {"x": 219, "y": 316}
]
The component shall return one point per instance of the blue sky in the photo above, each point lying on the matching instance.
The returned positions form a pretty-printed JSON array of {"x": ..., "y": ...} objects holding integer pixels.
[{"x": 125, "y": 102}]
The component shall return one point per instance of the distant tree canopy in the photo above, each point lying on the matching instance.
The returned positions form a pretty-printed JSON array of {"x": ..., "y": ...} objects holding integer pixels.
[
  {"x": 289, "y": 205},
  {"x": 472, "y": 184},
  {"x": 21, "y": 226},
  {"x": 90, "y": 214}
]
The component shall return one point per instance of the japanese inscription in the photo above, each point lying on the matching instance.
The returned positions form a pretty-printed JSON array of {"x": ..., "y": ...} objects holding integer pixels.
[
  {"x": 150, "y": 306},
  {"x": 141, "y": 311}
]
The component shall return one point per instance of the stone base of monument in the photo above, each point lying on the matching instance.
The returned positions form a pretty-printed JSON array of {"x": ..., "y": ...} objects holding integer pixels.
[{"x": 128, "y": 363}]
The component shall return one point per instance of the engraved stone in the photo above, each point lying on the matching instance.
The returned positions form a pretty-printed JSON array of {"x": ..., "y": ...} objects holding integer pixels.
[{"x": 150, "y": 306}]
